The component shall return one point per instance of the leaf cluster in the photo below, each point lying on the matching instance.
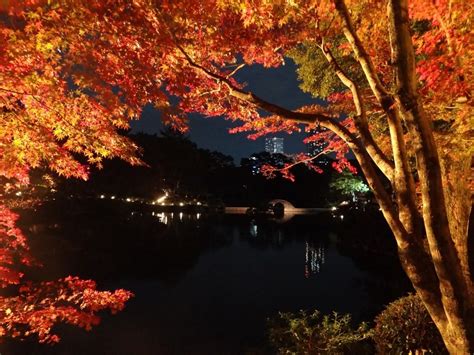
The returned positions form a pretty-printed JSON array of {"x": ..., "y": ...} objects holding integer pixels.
[
  {"x": 314, "y": 72},
  {"x": 348, "y": 184}
]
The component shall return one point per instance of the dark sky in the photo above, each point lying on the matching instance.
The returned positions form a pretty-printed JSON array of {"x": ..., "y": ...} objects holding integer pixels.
[{"x": 278, "y": 85}]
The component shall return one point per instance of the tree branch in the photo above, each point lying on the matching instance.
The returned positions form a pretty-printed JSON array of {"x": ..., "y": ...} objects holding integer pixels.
[
  {"x": 412, "y": 254},
  {"x": 402, "y": 179},
  {"x": 361, "y": 55},
  {"x": 453, "y": 283},
  {"x": 234, "y": 91}
]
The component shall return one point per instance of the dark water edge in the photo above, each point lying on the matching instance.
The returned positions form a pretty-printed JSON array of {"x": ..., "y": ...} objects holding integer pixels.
[{"x": 205, "y": 284}]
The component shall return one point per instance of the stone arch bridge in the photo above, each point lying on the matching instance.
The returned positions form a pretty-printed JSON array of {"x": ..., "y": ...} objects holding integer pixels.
[{"x": 287, "y": 208}]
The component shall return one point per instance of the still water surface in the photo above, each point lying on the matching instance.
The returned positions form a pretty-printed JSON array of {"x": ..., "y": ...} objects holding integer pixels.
[{"x": 207, "y": 284}]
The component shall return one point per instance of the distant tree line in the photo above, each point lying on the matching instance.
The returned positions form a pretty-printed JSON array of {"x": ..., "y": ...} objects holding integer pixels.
[{"x": 178, "y": 165}]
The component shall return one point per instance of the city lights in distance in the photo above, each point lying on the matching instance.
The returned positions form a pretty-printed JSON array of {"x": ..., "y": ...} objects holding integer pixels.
[{"x": 162, "y": 198}]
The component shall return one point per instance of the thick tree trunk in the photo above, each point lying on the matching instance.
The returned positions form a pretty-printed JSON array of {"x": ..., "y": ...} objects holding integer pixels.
[
  {"x": 437, "y": 270},
  {"x": 453, "y": 284}
]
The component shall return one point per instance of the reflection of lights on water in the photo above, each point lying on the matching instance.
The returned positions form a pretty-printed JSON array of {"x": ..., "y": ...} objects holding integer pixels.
[
  {"x": 314, "y": 259},
  {"x": 163, "y": 218},
  {"x": 180, "y": 216},
  {"x": 153, "y": 213},
  {"x": 253, "y": 229},
  {"x": 198, "y": 215},
  {"x": 341, "y": 216},
  {"x": 280, "y": 237}
]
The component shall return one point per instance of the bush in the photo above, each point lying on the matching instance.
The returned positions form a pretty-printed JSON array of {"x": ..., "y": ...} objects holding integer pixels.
[
  {"x": 405, "y": 326},
  {"x": 304, "y": 333}
]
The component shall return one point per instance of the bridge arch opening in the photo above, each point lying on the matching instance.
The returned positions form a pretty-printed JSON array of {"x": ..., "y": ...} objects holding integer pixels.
[{"x": 279, "y": 206}]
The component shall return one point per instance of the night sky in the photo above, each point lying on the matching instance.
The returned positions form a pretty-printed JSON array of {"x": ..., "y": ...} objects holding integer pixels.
[{"x": 279, "y": 86}]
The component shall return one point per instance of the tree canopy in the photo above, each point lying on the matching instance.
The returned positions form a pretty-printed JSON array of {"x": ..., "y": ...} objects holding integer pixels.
[{"x": 348, "y": 184}]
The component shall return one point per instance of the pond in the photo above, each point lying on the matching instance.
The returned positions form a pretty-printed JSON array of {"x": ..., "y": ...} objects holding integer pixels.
[{"x": 206, "y": 284}]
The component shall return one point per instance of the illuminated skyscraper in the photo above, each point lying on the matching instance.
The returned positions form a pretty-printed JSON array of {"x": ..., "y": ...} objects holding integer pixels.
[{"x": 274, "y": 145}]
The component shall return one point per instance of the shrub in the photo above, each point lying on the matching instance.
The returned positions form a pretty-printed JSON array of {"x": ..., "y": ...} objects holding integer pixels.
[
  {"x": 405, "y": 326},
  {"x": 303, "y": 333}
]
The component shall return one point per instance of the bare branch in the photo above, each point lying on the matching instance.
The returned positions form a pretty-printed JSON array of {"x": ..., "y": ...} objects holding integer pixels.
[
  {"x": 235, "y": 70},
  {"x": 304, "y": 161},
  {"x": 402, "y": 179},
  {"x": 362, "y": 56}
]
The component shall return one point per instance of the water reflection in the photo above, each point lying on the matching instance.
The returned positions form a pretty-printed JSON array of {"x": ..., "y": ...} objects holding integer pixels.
[
  {"x": 221, "y": 276},
  {"x": 253, "y": 228},
  {"x": 314, "y": 248},
  {"x": 163, "y": 217},
  {"x": 168, "y": 218}
]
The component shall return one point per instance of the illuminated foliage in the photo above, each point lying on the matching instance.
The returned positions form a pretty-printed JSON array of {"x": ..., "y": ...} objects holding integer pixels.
[
  {"x": 348, "y": 184},
  {"x": 313, "y": 333},
  {"x": 38, "y": 307}
]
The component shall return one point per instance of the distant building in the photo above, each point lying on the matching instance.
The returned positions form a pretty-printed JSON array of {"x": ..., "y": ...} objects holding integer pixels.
[
  {"x": 254, "y": 165},
  {"x": 316, "y": 147},
  {"x": 274, "y": 145},
  {"x": 256, "y": 160}
]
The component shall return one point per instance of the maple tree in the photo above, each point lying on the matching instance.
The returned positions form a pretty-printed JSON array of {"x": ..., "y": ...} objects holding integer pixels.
[
  {"x": 37, "y": 307},
  {"x": 396, "y": 77}
]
